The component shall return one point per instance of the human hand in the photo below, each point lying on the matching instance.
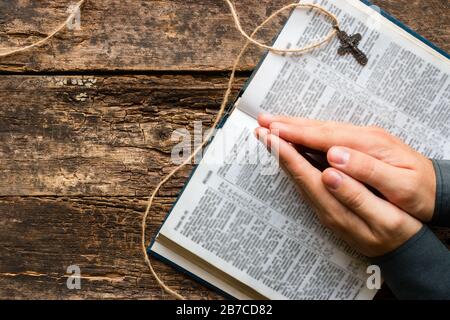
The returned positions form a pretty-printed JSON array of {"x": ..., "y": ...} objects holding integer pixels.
[
  {"x": 371, "y": 225},
  {"x": 370, "y": 155}
]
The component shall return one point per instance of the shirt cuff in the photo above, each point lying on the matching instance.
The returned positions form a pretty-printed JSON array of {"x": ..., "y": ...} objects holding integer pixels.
[
  {"x": 441, "y": 215},
  {"x": 419, "y": 269}
]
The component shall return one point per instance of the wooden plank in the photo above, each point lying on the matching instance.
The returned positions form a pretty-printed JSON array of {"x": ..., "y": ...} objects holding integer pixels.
[
  {"x": 164, "y": 35},
  {"x": 132, "y": 35},
  {"x": 41, "y": 237},
  {"x": 98, "y": 136}
]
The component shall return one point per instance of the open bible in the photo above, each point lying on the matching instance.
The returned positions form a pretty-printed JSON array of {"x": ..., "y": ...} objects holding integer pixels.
[{"x": 240, "y": 225}]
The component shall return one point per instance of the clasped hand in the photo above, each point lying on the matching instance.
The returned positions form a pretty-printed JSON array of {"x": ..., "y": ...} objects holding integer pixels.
[{"x": 359, "y": 157}]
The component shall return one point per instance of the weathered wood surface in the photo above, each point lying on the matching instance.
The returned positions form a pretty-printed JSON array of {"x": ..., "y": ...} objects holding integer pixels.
[
  {"x": 163, "y": 35},
  {"x": 41, "y": 237},
  {"x": 98, "y": 135},
  {"x": 78, "y": 154}
]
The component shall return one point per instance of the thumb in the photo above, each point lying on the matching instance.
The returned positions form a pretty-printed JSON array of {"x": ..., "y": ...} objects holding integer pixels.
[{"x": 357, "y": 198}]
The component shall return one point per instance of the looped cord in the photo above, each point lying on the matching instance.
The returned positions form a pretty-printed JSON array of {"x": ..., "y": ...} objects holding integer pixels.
[
  {"x": 250, "y": 39},
  {"x": 51, "y": 35},
  {"x": 278, "y": 12}
]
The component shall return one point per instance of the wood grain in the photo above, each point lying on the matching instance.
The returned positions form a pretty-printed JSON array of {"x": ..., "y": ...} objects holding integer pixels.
[
  {"x": 98, "y": 135},
  {"x": 164, "y": 34},
  {"x": 79, "y": 153},
  {"x": 133, "y": 35},
  {"x": 41, "y": 237}
]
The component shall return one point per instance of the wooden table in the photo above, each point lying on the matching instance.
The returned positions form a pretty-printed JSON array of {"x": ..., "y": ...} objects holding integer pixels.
[{"x": 85, "y": 131}]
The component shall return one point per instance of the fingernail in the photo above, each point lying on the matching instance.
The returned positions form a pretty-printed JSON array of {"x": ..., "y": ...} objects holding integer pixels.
[
  {"x": 332, "y": 179},
  {"x": 338, "y": 155},
  {"x": 262, "y": 136},
  {"x": 276, "y": 126},
  {"x": 267, "y": 116},
  {"x": 260, "y": 133}
]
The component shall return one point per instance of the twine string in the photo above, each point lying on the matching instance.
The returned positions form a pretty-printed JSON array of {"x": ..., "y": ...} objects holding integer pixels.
[
  {"x": 48, "y": 37},
  {"x": 275, "y": 14},
  {"x": 249, "y": 40}
]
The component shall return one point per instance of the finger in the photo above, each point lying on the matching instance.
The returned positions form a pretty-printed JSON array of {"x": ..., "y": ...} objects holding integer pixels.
[
  {"x": 265, "y": 119},
  {"x": 384, "y": 177},
  {"x": 355, "y": 196},
  {"x": 330, "y": 211},
  {"x": 288, "y": 156},
  {"x": 322, "y": 137}
]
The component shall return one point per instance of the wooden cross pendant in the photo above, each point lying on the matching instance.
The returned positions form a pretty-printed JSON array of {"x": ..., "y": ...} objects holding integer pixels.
[{"x": 349, "y": 44}]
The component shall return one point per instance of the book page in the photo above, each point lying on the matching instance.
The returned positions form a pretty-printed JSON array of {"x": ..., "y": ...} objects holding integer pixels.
[
  {"x": 405, "y": 87},
  {"x": 241, "y": 213},
  {"x": 198, "y": 271},
  {"x": 251, "y": 223}
]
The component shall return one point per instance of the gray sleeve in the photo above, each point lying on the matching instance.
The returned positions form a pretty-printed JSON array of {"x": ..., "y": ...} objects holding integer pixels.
[
  {"x": 441, "y": 216},
  {"x": 419, "y": 269}
]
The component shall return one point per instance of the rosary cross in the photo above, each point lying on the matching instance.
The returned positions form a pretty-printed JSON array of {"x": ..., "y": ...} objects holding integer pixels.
[{"x": 349, "y": 44}]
